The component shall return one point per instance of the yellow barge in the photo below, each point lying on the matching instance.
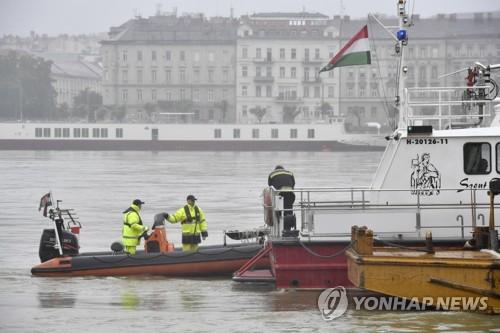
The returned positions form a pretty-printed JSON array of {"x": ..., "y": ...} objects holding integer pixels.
[{"x": 447, "y": 279}]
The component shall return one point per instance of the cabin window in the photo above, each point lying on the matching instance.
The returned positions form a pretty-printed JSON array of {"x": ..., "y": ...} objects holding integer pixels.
[
  {"x": 236, "y": 133},
  {"x": 57, "y": 132},
  {"x": 85, "y": 132},
  {"x": 498, "y": 157},
  {"x": 310, "y": 133},
  {"x": 255, "y": 133},
  {"x": 46, "y": 132},
  {"x": 95, "y": 132},
  {"x": 76, "y": 132},
  {"x": 104, "y": 132},
  {"x": 274, "y": 133},
  {"x": 65, "y": 132},
  {"x": 293, "y": 133},
  {"x": 217, "y": 133},
  {"x": 477, "y": 158},
  {"x": 38, "y": 132},
  {"x": 119, "y": 132}
]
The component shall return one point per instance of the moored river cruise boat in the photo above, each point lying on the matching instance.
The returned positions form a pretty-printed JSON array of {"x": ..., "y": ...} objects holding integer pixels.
[
  {"x": 432, "y": 177},
  {"x": 327, "y": 136}
]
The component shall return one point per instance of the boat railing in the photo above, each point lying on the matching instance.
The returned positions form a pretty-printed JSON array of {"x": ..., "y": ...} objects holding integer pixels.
[
  {"x": 447, "y": 107},
  {"x": 422, "y": 208}
]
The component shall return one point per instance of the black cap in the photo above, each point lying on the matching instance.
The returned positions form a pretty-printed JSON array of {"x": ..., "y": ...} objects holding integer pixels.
[
  {"x": 279, "y": 167},
  {"x": 191, "y": 197},
  {"x": 138, "y": 202}
]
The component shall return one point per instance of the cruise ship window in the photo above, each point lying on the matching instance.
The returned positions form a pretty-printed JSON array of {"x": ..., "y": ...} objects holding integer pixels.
[
  {"x": 498, "y": 157},
  {"x": 274, "y": 133},
  {"x": 57, "y": 132},
  {"x": 255, "y": 133},
  {"x": 217, "y": 133},
  {"x": 38, "y": 132},
  {"x": 85, "y": 132},
  {"x": 477, "y": 158},
  {"x": 95, "y": 132},
  {"x": 76, "y": 132},
  {"x": 46, "y": 132},
  {"x": 65, "y": 132},
  {"x": 236, "y": 133},
  {"x": 293, "y": 133},
  {"x": 310, "y": 133},
  {"x": 104, "y": 132},
  {"x": 119, "y": 132}
]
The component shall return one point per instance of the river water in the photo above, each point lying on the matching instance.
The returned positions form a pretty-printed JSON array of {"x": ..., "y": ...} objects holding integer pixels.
[{"x": 100, "y": 185}]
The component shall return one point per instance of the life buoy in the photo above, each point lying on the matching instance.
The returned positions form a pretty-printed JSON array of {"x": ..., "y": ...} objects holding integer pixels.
[{"x": 268, "y": 206}]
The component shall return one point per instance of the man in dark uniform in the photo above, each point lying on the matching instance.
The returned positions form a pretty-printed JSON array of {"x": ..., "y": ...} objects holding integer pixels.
[{"x": 284, "y": 181}]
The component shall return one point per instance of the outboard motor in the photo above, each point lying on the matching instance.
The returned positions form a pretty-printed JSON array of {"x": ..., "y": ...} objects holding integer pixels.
[
  {"x": 48, "y": 249},
  {"x": 58, "y": 241}
]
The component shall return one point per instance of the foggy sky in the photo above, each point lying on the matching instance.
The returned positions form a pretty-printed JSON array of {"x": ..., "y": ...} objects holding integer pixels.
[{"x": 91, "y": 16}]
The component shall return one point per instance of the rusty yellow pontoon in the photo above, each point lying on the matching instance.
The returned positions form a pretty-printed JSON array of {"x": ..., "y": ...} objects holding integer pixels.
[{"x": 445, "y": 279}]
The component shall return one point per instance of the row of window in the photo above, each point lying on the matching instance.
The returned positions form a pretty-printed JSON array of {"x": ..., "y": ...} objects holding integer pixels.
[
  {"x": 286, "y": 93},
  {"x": 77, "y": 132},
  {"x": 103, "y": 133},
  {"x": 168, "y": 55},
  {"x": 256, "y": 133},
  {"x": 291, "y": 33},
  {"x": 155, "y": 75},
  {"x": 260, "y": 91},
  {"x": 183, "y": 94},
  {"x": 308, "y": 54},
  {"x": 478, "y": 159},
  {"x": 308, "y": 75}
]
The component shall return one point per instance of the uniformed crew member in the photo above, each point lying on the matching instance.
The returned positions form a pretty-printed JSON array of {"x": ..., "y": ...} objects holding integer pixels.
[
  {"x": 283, "y": 181},
  {"x": 133, "y": 229},
  {"x": 194, "y": 225}
]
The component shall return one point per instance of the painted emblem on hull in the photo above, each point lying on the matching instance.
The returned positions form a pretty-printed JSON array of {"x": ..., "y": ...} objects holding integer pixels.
[{"x": 425, "y": 178}]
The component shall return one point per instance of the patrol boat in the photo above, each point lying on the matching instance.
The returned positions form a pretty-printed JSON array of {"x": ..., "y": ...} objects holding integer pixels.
[
  {"x": 432, "y": 177},
  {"x": 60, "y": 256}
]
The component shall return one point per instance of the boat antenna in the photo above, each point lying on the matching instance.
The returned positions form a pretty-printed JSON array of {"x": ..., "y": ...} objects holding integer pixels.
[{"x": 401, "y": 39}]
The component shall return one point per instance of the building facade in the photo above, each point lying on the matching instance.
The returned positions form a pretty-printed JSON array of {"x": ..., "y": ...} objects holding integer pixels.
[
  {"x": 71, "y": 77},
  {"x": 279, "y": 56},
  {"x": 182, "y": 67},
  {"x": 264, "y": 67}
]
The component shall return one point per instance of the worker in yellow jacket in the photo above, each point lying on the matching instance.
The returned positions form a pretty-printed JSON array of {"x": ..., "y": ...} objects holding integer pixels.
[
  {"x": 194, "y": 225},
  {"x": 133, "y": 229}
]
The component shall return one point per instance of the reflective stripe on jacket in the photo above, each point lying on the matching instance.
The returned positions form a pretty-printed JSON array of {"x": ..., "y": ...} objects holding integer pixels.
[
  {"x": 193, "y": 223},
  {"x": 281, "y": 179},
  {"x": 132, "y": 226}
]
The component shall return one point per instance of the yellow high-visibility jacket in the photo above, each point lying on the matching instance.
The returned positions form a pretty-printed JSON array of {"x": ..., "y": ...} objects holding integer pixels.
[
  {"x": 132, "y": 226},
  {"x": 193, "y": 223}
]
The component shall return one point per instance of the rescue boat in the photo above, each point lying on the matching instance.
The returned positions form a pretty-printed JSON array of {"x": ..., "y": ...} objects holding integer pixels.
[{"x": 60, "y": 256}]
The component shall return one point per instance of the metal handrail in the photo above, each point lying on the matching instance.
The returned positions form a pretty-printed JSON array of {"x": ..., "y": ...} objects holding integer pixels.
[{"x": 307, "y": 206}]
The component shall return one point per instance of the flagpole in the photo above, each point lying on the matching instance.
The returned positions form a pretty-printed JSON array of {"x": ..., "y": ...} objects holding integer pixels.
[{"x": 56, "y": 229}]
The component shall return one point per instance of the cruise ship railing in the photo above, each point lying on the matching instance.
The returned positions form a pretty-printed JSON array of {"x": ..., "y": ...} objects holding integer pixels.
[
  {"x": 447, "y": 107},
  {"x": 312, "y": 201}
]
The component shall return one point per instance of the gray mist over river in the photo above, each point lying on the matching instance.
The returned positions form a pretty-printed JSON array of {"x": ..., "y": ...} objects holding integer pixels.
[{"x": 100, "y": 185}]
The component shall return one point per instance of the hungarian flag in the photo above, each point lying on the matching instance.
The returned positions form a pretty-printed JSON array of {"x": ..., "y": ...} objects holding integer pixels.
[
  {"x": 355, "y": 52},
  {"x": 45, "y": 202}
]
